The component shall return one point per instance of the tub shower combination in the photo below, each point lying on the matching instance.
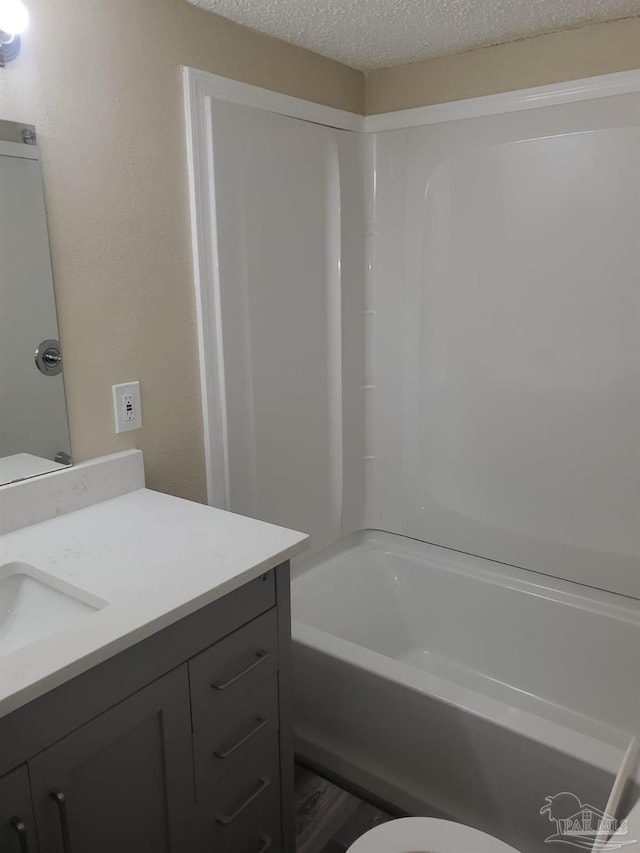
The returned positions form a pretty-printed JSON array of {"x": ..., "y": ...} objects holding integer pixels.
[{"x": 426, "y": 323}]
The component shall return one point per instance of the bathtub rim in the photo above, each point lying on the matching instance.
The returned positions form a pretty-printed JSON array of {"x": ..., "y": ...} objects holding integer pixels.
[
  {"x": 570, "y": 593},
  {"x": 593, "y": 741}
]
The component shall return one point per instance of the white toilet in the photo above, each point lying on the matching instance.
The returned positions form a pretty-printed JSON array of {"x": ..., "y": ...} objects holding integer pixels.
[{"x": 427, "y": 835}]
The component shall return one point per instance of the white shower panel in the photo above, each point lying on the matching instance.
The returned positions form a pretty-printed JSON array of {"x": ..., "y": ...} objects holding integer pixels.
[
  {"x": 505, "y": 342},
  {"x": 355, "y": 155},
  {"x": 277, "y": 199}
]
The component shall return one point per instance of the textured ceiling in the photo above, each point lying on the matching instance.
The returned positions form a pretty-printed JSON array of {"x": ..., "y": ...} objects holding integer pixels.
[{"x": 369, "y": 34}]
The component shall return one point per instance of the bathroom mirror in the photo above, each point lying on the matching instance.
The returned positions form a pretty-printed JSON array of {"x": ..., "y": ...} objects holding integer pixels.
[{"x": 34, "y": 432}]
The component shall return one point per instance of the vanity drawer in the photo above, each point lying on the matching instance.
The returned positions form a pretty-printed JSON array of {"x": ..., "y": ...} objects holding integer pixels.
[
  {"x": 260, "y": 834},
  {"x": 220, "y": 675},
  {"x": 245, "y": 805},
  {"x": 248, "y": 721}
]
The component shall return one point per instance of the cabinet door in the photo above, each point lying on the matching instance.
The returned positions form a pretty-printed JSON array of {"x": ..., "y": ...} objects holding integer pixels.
[
  {"x": 17, "y": 832},
  {"x": 122, "y": 783}
]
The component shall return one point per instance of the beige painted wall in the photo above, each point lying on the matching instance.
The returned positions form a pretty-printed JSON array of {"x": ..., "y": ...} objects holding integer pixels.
[
  {"x": 567, "y": 55},
  {"x": 101, "y": 79}
]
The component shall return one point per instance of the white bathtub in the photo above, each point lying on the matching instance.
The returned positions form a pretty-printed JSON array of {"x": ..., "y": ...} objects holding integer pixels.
[{"x": 446, "y": 684}]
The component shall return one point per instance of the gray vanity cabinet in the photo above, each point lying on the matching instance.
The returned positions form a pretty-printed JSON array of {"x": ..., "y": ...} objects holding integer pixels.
[
  {"x": 181, "y": 744},
  {"x": 123, "y": 781},
  {"x": 17, "y": 833}
]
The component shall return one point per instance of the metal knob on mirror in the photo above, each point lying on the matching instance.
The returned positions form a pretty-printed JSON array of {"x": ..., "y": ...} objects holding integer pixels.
[{"x": 49, "y": 358}]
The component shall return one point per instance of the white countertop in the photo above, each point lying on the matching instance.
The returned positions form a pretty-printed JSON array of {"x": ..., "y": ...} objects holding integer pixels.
[{"x": 152, "y": 557}]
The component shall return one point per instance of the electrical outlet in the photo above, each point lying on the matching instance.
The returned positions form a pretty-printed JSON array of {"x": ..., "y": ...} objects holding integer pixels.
[
  {"x": 128, "y": 413},
  {"x": 126, "y": 406}
]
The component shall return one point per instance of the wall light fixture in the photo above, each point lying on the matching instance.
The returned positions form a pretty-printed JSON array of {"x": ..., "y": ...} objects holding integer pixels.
[{"x": 13, "y": 21}]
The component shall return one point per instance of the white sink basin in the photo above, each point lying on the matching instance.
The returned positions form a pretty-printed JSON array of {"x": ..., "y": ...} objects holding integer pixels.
[{"x": 34, "y": 604}]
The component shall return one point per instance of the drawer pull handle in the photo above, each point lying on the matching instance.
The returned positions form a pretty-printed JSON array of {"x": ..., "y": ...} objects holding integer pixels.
[
  {"x": 262, "y": 722},
  {"x": 226, "y": 819},
  {"x": 21, "y": 831},
  {"x": 261, "y": 657},
  {"x": 266, "y": 844},
  {"x": 59, "y": 798}
]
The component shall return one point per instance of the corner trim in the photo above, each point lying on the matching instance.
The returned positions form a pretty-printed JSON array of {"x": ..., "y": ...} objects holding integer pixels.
[
  {"x": 586, "y": 89},
  {"x": 225, "y": 89},
  {"x": 204, "y": 245}
]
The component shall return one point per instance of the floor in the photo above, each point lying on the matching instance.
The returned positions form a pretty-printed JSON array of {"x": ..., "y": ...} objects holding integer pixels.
[{"x": 328, "y": 819}]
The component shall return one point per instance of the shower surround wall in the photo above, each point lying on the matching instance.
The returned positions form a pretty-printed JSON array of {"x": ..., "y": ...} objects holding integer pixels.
[
  {"x": 433, "y": 331},
  {"x": 289, "y": 198},
  {"x": 505, "y": 354}
]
